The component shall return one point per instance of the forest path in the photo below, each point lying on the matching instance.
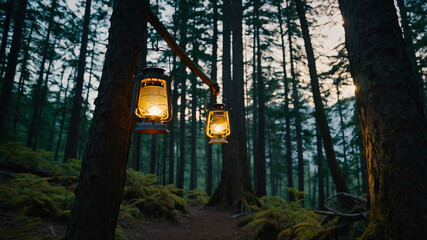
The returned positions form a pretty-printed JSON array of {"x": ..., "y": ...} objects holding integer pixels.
[{"x": 204, "y": 224}]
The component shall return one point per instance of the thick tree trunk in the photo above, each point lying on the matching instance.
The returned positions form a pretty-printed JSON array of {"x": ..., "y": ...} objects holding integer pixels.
[
  {"x": 12, "y": 61},
  {"x": 394, "y": 124},
  {"x": 38, "y": 88},
  {"x": 73, "y": 129},
  {"x": 214, "y": 78},
  {"x": 183, "y": 8},
  {"x": 235, "y": 188},
  {"x": 5, "y": 33},
  {"x": 103, "y": 175},
  {"x": 320, "y": 112},
  {"x": 261, "y": 181},
  {"x": 287, "y": 115}
]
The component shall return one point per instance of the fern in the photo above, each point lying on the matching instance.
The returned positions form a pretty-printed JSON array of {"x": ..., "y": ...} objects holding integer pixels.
[
  {"x": 280, "y": 220},
  {"x": 153, "y": 200},
  {"x": 197, "y": 197}
]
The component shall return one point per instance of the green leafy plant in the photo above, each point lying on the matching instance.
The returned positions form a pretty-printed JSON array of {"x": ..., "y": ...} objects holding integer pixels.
[
  {"x": 21, "y": 227},
  {"x": 197, "y": 197},
  {"x": 153, "y": 200},
  {"x": 37, "y": 196},
  {"x": 280, "y": 220}
]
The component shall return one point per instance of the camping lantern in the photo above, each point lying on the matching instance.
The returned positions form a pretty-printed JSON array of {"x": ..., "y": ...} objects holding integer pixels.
[
  {"x": 218, "y": 124},
  {"x": 151, "y": 103}
]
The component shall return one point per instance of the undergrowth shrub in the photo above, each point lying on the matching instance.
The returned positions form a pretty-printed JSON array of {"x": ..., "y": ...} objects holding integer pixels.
[
  {"x": 37, "y": 196},
  {"x": 152, "y": 200},
  {"x": 21, "y": 227},
  {"x": 280, "y": 220},
  {"x": 197, "y": 197},
  {"x": 17, "y": 153}
]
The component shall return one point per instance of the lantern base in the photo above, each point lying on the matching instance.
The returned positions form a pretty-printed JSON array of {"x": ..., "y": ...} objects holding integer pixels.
[
  {"x": 151, "y": 128},
  {"x": 217, "y": 140}
]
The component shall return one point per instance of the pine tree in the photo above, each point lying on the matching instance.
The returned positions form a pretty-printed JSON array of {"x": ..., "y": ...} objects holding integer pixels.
[
  {"x": 11, "y": 67},
  {"x": 387, "y": 96}
]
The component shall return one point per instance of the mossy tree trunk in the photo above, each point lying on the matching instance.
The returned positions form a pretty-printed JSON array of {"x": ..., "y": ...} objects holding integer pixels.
[
  {"x": 394, "y": 124},
  {"x": 235, "y": 186},
  {"x": 100, "y": 189}
]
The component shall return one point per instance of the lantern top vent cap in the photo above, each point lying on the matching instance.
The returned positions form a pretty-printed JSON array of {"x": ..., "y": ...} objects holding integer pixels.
[
  {"x": 153, "y": 69},
  {"x": 217, "y": 106}
]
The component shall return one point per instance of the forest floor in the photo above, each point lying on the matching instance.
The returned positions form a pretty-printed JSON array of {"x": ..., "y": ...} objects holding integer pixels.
[{"x": 204, "y": 224}]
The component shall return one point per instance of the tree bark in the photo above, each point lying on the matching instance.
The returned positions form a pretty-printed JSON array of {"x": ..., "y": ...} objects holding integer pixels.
[
  {"x": 183, "y": 8},
  {"x": 100, "y": 189},
  {"x": 296, "y": 111},
  {"x": 73, "y": 129},
  {"x": 37, "y": 95},
  {"x": 193, "y": 170},
  {"x": 255, "y": 103},
  {"x": 261, "y": 181},
  {"x": 12, "y": 61},
  {"x": 287, "y": 115},
  {"x": 5, "y": 32},
  {"x": 320, "y": 167},
  {"x": 214, "y": 78},
  {"x": 174, "y": 108},
  {"x": 43, "y": 95},
  {"x": 24, "y": 76},
  {"x": 320, "y": 112},
  {"x": 136, "y": 140},
  {"x": 393, "y": 121},
  {"x": 408, "y": 37},
  {"x": 153, "y": 154},
  {"x": 62, "y": 123},
  {"x": 235, "y": 188}
]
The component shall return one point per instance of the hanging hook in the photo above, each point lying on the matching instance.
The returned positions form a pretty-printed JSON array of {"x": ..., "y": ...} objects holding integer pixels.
[{"x": 207, "y": 99}]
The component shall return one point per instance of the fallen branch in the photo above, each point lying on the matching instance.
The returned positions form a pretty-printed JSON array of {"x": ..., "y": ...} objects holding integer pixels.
[
  {"x": 344, "y": 215},
  {"x": 21, "y": 168},
  {"x": 356, "y": 199}
]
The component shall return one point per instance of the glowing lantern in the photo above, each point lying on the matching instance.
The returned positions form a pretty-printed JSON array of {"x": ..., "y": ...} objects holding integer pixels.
[
  {"x": 218, "y": 124},
  {"x": 151, "y": 103}
]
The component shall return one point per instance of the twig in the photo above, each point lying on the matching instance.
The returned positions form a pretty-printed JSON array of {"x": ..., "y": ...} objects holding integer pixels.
[{"x": 356, "y": 199}]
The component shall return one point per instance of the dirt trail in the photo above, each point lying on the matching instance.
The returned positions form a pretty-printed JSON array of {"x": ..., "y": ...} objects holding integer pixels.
[{"x": 204, "y": 224}]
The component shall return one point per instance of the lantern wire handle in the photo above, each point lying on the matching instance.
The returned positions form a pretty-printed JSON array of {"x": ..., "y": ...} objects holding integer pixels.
[{"x": 206, "y": 103}]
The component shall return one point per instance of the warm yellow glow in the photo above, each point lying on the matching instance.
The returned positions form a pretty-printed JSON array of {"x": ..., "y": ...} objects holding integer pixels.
[
  {"x": 154, "y": 110},
  {"x": 153, "y": 99},
  {"x": 218, "y": 124},
  {"x": 218, "y": 128}
]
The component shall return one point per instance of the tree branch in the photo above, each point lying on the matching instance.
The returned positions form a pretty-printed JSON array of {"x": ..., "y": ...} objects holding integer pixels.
[{"x": 160, "y": 28}]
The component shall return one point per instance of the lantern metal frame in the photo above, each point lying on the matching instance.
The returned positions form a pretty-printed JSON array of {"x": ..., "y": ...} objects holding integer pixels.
[
  {"x": 217, "y": 138},
  {"x": 151, "y": 125}
]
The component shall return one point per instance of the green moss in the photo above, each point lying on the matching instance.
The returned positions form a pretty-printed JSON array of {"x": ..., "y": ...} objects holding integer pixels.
[{"x": 374, "y": 231}]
